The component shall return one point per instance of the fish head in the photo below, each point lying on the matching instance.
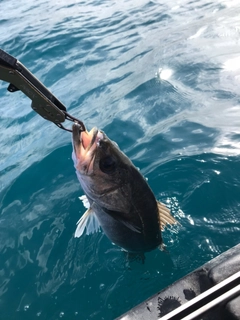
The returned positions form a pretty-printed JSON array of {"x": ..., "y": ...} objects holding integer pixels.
[{"x": 100, "y": 165}]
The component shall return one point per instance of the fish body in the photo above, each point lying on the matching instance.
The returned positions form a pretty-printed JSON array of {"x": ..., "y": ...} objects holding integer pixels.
[{"x": 120, "y": 199}]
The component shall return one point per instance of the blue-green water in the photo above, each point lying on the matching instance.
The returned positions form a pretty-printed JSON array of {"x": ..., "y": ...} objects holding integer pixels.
[{"x": 160, "y": 79}]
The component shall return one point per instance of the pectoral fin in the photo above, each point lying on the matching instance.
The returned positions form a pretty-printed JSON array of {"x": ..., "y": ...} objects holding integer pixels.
[
  {"x": 89, "y": 222},
  {"x": 130, "y": 226},
  {"x": 120, "y": 217},
  {"x": 165, "y": 216}
]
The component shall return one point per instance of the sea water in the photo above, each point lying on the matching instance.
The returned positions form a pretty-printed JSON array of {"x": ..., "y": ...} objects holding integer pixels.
[{"x": 162, "y": 80}]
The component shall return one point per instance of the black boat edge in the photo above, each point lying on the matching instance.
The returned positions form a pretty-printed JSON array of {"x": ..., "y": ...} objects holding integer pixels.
[{"x": 209, "y": 292}]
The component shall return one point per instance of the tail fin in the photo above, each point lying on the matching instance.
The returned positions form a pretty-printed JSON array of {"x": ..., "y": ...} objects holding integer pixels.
[{"x": 165, "y": 216}]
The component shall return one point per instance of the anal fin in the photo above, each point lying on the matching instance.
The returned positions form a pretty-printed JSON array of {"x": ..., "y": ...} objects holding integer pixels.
[{"x": 165, "y": 216}]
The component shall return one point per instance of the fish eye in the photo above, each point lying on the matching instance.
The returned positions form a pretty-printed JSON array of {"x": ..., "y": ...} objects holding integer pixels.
[{"x": 107, "y": 164}]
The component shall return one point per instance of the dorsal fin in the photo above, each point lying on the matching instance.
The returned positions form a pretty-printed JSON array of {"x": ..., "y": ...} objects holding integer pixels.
[{"x": 165, "y": 216}]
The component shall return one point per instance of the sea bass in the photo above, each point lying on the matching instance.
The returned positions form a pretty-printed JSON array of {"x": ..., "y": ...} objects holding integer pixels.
[{"x": 120, "y": 200}]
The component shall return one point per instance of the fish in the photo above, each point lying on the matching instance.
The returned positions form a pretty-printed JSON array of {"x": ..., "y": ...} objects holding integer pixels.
[{"x": 117, "y": 196}]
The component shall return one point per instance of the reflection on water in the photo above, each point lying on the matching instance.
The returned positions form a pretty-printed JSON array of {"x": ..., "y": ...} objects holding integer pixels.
[{"x": 162, "y": 80}]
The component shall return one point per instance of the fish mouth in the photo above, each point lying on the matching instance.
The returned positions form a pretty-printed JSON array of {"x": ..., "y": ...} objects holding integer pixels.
[
  {"x": 85, "y": 144},
  {"x": 83, "y": 138}
]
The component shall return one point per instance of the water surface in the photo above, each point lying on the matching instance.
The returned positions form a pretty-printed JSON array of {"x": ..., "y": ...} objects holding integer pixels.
[{"x": 162, "y": 80}]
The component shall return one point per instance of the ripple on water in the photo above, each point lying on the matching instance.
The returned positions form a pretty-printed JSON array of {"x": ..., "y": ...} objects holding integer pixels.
[{"x": 168, "y": 93}]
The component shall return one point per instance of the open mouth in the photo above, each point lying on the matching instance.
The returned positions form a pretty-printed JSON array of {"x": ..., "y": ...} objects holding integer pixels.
[
  {"x": 85, "y": 144},
  {"x": 83, "y": 139}
]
